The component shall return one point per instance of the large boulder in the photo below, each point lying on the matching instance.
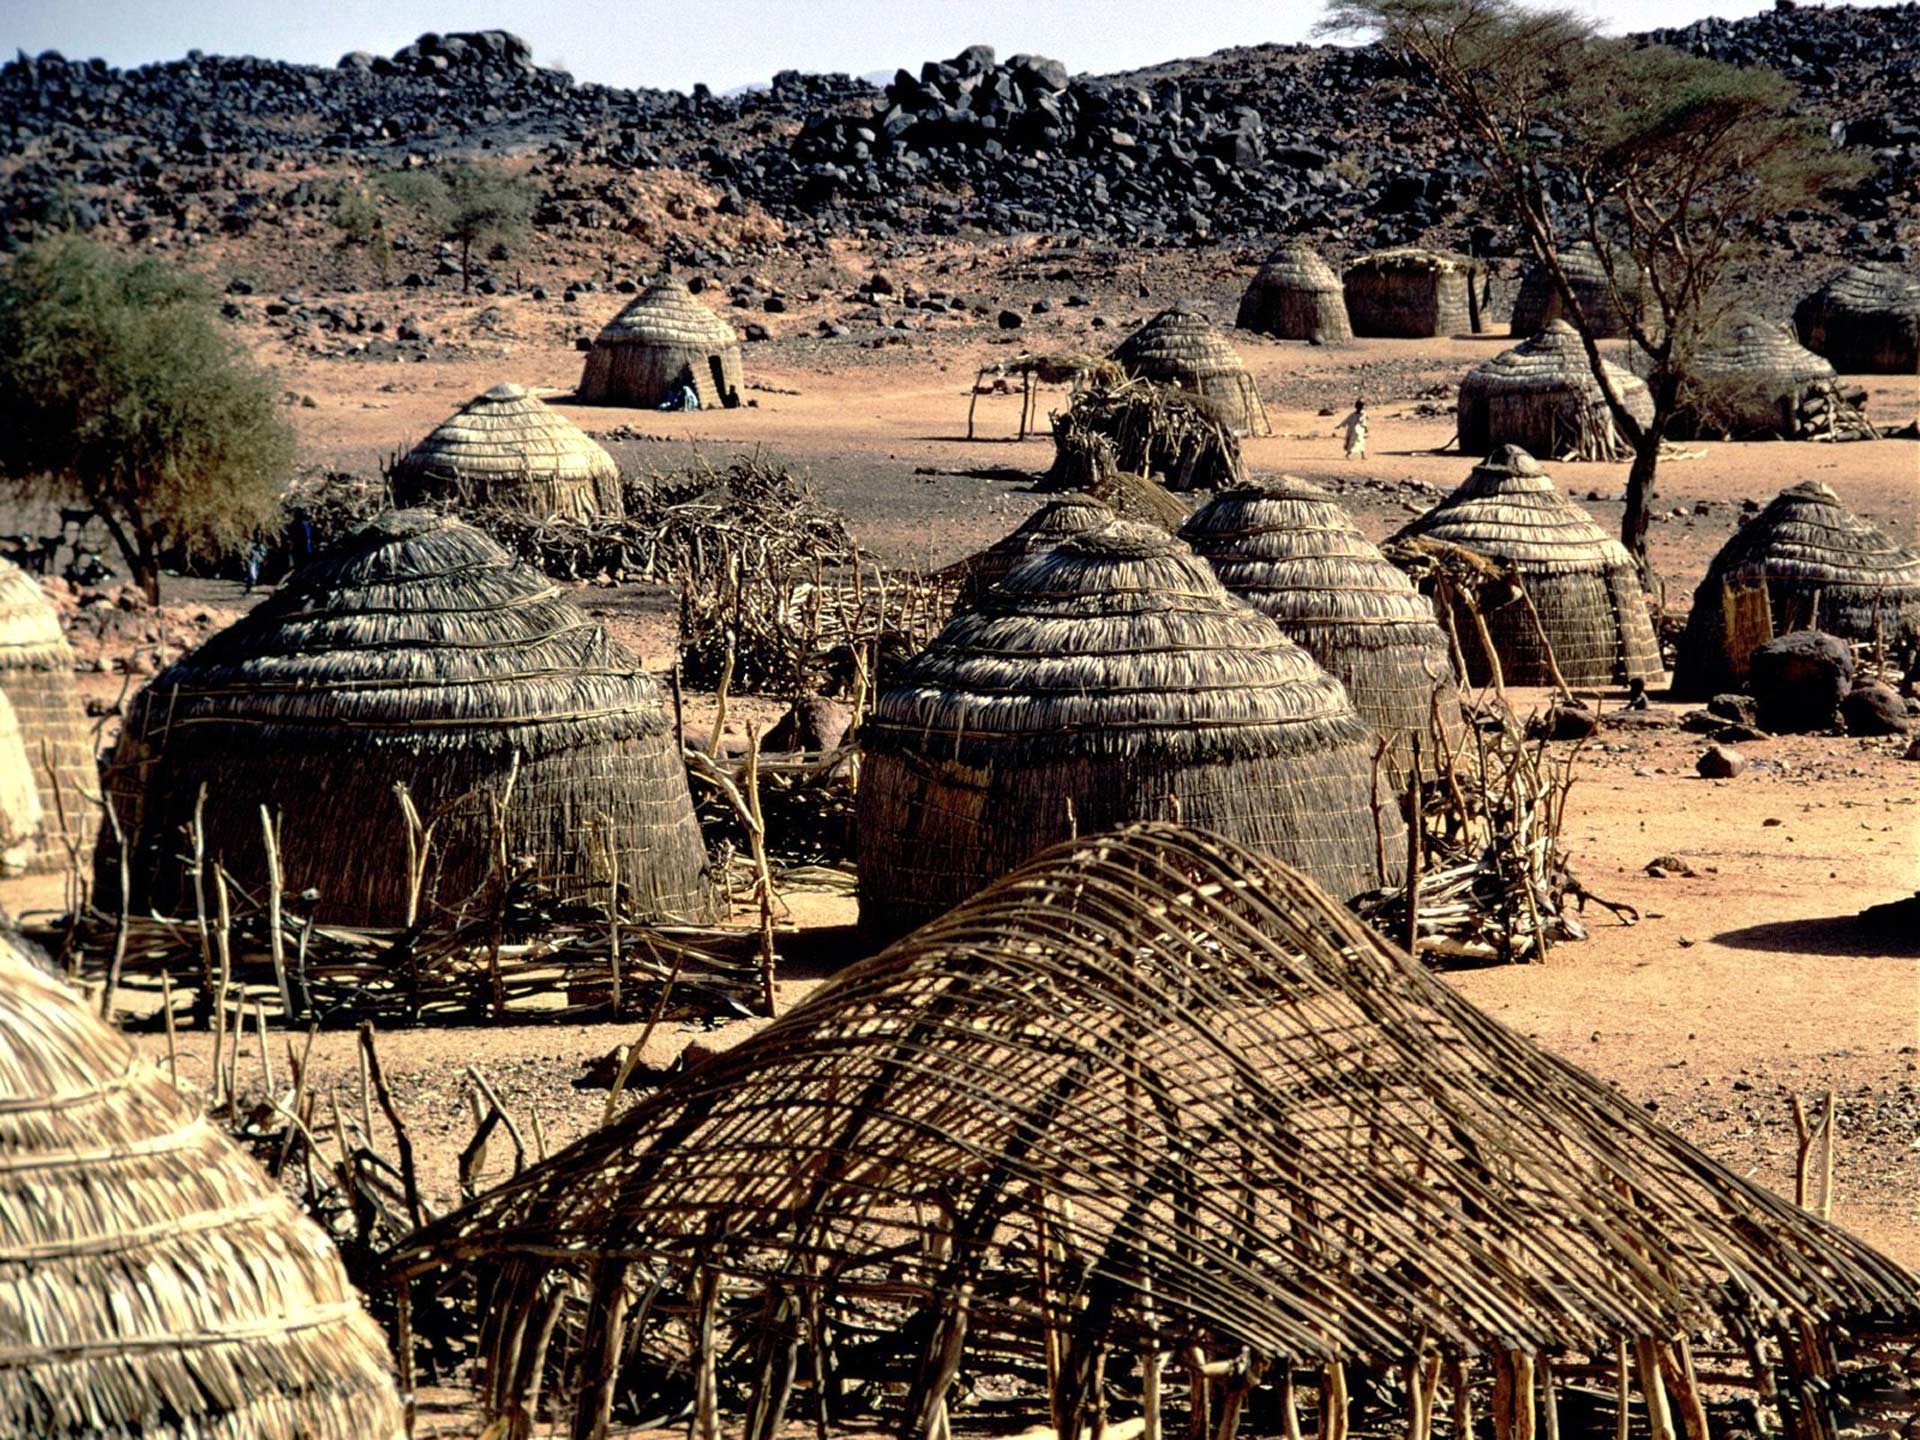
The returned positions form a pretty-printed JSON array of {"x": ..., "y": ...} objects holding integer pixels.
[
  {"x": 1799, "y": 680},
  {"x": 1875, "y": 709}
]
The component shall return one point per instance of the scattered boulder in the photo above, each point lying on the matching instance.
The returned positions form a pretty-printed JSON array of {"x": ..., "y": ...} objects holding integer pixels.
[
  {"x": 1720, "y": 762},
  {"x": 1799, "y": 681},
  {"x": 1875, "y": 709},
  {"x": 1565, "y": 722},
  {"x": 813, "y": 723}
]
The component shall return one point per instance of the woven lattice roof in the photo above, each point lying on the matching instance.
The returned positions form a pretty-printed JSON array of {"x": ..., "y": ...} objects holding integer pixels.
[
  {"x": 507, "y": 433},
  {"x": 1508, "y": 508},
  {"x": 1806, "y": 536},
  {"x": 667, "y": 313},
  {"x": 1297, "y": 266},
  {"x": 30, "y": 633},
  {"x": 1179, "y": 346}
]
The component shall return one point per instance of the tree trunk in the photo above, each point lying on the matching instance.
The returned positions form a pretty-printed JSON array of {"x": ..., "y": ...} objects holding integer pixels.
[
  {"x": 146, "y": 574},
  {"x": 1646, "y": 459},
  {"x": 466, "y": 266}
]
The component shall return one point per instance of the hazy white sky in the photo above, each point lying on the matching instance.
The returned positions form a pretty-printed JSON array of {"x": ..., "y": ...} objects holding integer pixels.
[{"x": 649, "y": 42}]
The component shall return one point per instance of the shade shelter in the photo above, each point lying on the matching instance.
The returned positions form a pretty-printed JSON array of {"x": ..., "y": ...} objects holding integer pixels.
[{"x": 1413, "y": 293}]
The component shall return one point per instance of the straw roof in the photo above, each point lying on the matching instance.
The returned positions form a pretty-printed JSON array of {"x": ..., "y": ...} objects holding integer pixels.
[
  {"x": 1228, "y": 1114},
  {"x": 1822, "y": 567},
  {"x": 1582, "y": 582},
  {"x": 153, "y": 1282},
  {"x": 664, "y": 338},
  {"x": 1413, "y": 293},
  {"x": 1866, "y": 320},
  {"x": 1108, "y": 679},
  {"x": 36, "y": 676},
  {"x": 1180, "y": 347},
  {"x": 511, "y": 449},
  {"x": 1537, "y": 304},
  {"x": 1542, "y": 397},
  {"x": 1749, "y": 379},
  {"x": 1289, "y": 550},
  {"x": 415, "y": 653},
  {"x": 1053, "y": 522},
  {"x": 1295, "y": 295}
]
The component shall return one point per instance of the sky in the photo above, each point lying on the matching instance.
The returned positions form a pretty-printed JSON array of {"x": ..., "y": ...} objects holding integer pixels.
[{"x": 738, "y": 42}]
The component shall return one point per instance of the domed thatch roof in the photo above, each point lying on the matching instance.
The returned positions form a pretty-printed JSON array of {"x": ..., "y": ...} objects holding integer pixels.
[
  {"x": 1248, "y": 1123},
  {"x": 1292, "y": 553},
  {"x": 1414, "y": 293},
  {"x": 1752, "y": 380},
  {"x": 415, "y": 653},
  {"x": 1180, "y": 347},
  {"x": 1053, "y": 522},
  {"x": 1866, "y": 320},
  {"x": 1542, "y": 397},
  {"x": 153, "y": 1282},
  {"x": 663, "y": 340},
  {"x": 510, "y": 449},
  {"x": 1296, "y": 296},
  {"x": 1538, "y": 304},
  {"x": 36, "y": 675},
  {"x": 1108, "y": 679},
  {"x": 1823, "y": 568},
  {"x": 1582, "y": 581}
]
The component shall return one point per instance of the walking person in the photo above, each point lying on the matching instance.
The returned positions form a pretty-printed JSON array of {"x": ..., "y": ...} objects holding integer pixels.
[{"x": 1356, "y": 427}]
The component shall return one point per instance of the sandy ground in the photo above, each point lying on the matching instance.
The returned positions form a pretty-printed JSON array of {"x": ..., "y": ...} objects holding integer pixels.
[{"x": 1740, "y": 986}]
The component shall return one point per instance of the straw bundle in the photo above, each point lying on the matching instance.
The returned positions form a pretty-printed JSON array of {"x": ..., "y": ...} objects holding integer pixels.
[
  {"x": 1821, "y": 568},
  {"x": 1537, "y": 303},
  {"x": 1542, "y": 397},
  {"x": 1583, "y": 584},
  {"x": 1753, "y": 381},
  {"x": 1292, "y": 553},
  {"x": 415, "y": 654},
  {"x": 1106, "y": 680},
  {"x": 153, "y": 1283},
  {"x": 1296, "y": 296},
  {"x": 1053, "y": 522},
  {"x": 1866, "y": 320},
  {"x": 664, "y": 339},
  {"x": 1153, "y": 1092},
  {"x": 1180, "y": 347},
  {"x": 510, "y": 450},
  {"x": 1414, "y": 294},
  {"x": 36, "y": 676}
]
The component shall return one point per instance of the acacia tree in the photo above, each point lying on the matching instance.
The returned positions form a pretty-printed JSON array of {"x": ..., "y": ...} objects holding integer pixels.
[
  {"x": 1670, "y": 165},
  {"x": 121, "y": 386},
  {"x": 469, "y": 204}
]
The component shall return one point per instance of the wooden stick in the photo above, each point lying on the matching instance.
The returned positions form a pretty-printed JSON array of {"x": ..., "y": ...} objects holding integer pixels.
[
  {"x": 270, "y": 832},
  {"x": 1653, "y": 1390},
  {"x": 1414, "y": 851}
]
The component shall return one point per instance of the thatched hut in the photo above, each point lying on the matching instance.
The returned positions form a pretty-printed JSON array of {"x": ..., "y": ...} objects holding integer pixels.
[
  {"x": 1542, "y": 397},
  {"x": 154, "y": 1284},
  {"x": 20, "y": 813},
  {"x": 1537, "y": 303},
  {"x": 1751, "y": 380},
  {"x": 511, "y": 450},
  {"x": 1296, "y": 295},
  {"x": 1805, "y": 562},
  {"x": 1155, "y": 1092},
  {"x": 416, "y": 653},
  {"x": 1414, "y": 294},
  {"x": 1866, "y": 320},
  {"x": 1180, "y": 347},
  {"x": 1053, "y": 522},
  {"x": 36, "y": 675},
  {"x": 1289, "y": 550},
  {"x": 1580, "y": 582},
  {"x": 1106, "y": 680},
  {"x": 664, "y": 341}
]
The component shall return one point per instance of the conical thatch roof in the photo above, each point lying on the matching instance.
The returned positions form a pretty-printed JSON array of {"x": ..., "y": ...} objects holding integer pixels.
[
  {"x": 1108, "y": 679},
  {"x": 1582, "y": 581},
  {"x": 1296, "y": 296},
  {"x": 1289, "y": 550},
  {"x": 1180, "y": 347},
  {"x": 1156, "y": 1090},
  {"x": 1751, "y": 380},
  {"x": 36, "y": 675},
  {"x": 1542, "y": 397},
  {"x": 415, "y": 653},
  {"x": 1053, "y": 522},
  {"x": 153, "y": 1282},
  {"x": 1537, "y": 303},
  {"x": 510, "y": 449},
  {"x": 664, "y": 339},
  {"x": 1822, "y": 568},
  {"x": 1866, "y": 320},
  {"x": 1414, "y": 293}
]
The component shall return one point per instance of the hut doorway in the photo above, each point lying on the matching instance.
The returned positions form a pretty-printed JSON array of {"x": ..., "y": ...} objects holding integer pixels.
[{"x": 729, "y": 397}]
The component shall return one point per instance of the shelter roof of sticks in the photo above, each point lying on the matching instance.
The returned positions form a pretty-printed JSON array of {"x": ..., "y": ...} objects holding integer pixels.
[
  {"x": 154, "y": 1282},
  {"x": 1273, "y": 1128}
]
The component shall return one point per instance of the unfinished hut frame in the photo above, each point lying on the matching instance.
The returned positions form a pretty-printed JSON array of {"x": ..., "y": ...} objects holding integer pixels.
[
  {"x": 1561, "y": 603},
  {"x": 1805, "y": 562},
  {"x": 1415, "y": 294},
  {"x": 1152, "y": 1132},
  {"x": 1542, "y": 397},
  {"x": 1866, "y": 320},
  {"x": 416, "y": 656},
  {"x": 1106, "y": 680},
  {"x": 1295, "y": 295},
  {"x": 663, "y": 341},
  {"x": 155, "y": 1283},
  {"x": 1162, "y": 432},
  {"x": 508, "y": 449},
  {"x": 36, "y": 675},
  {"x": 1179, "y": 347}
]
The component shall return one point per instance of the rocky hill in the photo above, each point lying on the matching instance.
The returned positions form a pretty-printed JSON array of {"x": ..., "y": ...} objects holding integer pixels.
[{"x": 1233, "y": 147}]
